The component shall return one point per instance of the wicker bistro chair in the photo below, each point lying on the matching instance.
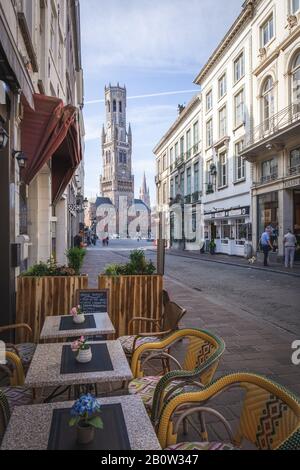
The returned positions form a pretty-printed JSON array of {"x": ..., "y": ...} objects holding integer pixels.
[
  {"x": 15, "y": 393},
  {"x": 4, "y": 414},
  {"x": 167, "y": 324},
  {"x": 202, "y": 356},
  {"x": 270, "y": 415},
  {"x": 24, "y": 350}
]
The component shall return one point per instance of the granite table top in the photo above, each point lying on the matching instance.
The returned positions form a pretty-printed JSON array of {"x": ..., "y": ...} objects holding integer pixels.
[
  {"x": 51, "y": 329},
  {"x": 29, "y": 426},
  {"x": 44, "y": 370}
]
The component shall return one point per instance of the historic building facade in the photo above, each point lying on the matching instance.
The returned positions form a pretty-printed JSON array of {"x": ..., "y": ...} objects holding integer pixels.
[
  {"x": 250, "y": 123},
  {"x": 179, "y": 171},
  {"x": 117, "y": 179},
  {"x": 273, "y": 143},
  {"x": 41, "y": 169},
  {"x": 225, "y": 82}
]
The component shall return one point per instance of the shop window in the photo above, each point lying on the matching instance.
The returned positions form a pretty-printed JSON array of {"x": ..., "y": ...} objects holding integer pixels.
[
  {"x": 241, "y": 232},
  {"x": 225, "y": 232},
  {"x": 267, "y": 212}
]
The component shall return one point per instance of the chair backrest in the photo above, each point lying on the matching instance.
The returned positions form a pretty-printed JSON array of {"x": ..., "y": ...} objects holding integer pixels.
[
  {"x": 4, "y": 414},
  {"x": 202, "y": 354},
  {"x": 270, "y": 415},
  {"x": 18, "y": 376},
  {"x": 172, "y": 315}
]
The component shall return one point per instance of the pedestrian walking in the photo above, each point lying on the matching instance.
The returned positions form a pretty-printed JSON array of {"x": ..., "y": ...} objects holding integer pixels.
[
  {"x": 78, "y": 240},
  {"x": 289, "y": 248},
  {"x": 266, "y": 244}
]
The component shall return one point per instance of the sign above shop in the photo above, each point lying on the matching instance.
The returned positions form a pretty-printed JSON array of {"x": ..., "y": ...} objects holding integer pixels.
[
  {"x": 239, "y": 212},
  {"x": 292, "y": 183}
]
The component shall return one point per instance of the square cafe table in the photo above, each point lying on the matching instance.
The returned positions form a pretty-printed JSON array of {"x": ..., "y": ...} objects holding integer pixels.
[
  {"x": 29, "y": 427},
  {"x": 52, "y": 327},
  {"x": 46, "y": 365}
]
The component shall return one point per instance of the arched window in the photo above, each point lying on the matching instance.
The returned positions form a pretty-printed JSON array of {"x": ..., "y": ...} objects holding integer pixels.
[
  {"x": 120, "y": 106},
  {"x": 124, "y": 158},
  {"x": 108, "y": 106},
  {"x": 114, "y": 106},
  {"x": 296, "y": 80},
  {"x": 267, "y": 102}
]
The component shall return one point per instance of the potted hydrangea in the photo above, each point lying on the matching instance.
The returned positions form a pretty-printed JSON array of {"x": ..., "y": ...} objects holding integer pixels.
[
  {"x": 78, "y": 315},
  {"x": 82, "y": 350},
  {"x": 85, "y": 416}
]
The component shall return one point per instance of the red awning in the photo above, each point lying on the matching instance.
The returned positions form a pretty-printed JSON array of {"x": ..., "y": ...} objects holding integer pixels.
[{"x": 51, "y": 132}]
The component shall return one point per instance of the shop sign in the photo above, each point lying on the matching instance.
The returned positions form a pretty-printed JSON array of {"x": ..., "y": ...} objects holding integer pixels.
[
  {"x": 220, "y": 215},
  {"x": 292, "y": 183}
]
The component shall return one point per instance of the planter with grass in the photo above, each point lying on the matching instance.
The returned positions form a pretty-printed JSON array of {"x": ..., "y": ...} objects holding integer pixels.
[
  {"x": 46, "y": 289},
  {"x": 134, "y": 291}
]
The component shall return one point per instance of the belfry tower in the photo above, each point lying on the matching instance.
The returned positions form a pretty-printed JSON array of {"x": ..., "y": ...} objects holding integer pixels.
[{"x": 117, "y": 179}]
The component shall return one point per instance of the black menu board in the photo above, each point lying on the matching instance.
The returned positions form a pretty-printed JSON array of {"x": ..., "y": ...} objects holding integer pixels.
[{"x": 93, "y": 300}]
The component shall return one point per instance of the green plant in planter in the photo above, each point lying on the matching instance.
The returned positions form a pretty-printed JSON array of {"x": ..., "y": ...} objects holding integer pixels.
[
  {"x": 75, "y": 258},
  {"x": 48, "y": 269},
  {"x": 212, "y": 246},
  {"x": 138, "y": 265}
]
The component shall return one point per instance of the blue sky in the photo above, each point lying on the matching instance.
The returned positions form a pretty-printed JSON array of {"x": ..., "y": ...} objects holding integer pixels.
[{"x": 152, "y": 46}]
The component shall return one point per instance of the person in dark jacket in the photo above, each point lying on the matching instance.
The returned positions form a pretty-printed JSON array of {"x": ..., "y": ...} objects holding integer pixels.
[{"x": 78, "y": 240}]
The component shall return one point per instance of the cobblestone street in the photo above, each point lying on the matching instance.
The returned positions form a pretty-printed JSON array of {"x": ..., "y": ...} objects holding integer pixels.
[{"x": 256, "y": 340}]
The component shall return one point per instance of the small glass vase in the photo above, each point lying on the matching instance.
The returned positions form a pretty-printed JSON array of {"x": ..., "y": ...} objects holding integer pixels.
[
  {"x": 84, "y": 355},
  {"x": 79, "y": 318},
  {"x": 85, "y": 433}
]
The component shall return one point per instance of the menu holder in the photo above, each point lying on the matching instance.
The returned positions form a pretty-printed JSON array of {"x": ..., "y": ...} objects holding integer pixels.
[
  {"x": 93, "y": 300},
  {"x": 113, "y": 436},
  {"x": 101, "y": 361},
  {"x": 67, "y": 323}
]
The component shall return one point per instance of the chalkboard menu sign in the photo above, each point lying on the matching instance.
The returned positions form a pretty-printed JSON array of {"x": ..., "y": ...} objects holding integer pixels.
[{"x": 93, "y": 300}]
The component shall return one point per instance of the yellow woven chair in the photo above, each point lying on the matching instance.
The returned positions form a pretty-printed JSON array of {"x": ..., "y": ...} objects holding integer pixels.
[
  {"x": 16, "y": 393},
  {"x": 270, "y": 416},
  {"x": 202, "y": 355}
]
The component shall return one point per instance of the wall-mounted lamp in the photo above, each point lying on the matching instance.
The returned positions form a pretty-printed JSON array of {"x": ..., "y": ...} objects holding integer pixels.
[
  {"x": 3, "y": 137},
  {"x": 20, "y": 157},
  {"x": 86, "y": 203}
]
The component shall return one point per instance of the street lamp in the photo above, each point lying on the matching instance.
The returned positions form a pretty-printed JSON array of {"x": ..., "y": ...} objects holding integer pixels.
[
  {"x": 3, "y": 137},
  {"x": 20, "y": 157}
]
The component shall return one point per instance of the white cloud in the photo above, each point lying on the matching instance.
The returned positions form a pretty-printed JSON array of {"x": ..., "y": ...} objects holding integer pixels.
[{"x": 169, "y": 34}]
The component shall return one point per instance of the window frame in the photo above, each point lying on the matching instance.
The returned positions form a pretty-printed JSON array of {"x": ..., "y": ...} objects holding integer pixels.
[
  {"x": 223, "y": 127},
  {"x": 222, "y": 83},
  {"x": 266, "y": 22},
  {"x": 239, "y": 65},
  {"x": 223, "y": 170},
  {"x": 240, "y": 162},
  {"x": 292, "y": 11},
  {"x": 242, "y": 105},
  {"x": 295, "y": 69},
  {"x": 209, "y": 94},
  {"x": 209, "y": 132}
]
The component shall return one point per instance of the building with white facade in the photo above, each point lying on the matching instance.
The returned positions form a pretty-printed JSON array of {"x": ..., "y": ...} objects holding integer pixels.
[
  {"x": 179, "y": 170},
  {"x": 225, "y": 82},
  {"x": 273, "y": 143},
  {"x": 250, "y": 126},
  {"x": 41, "y": 169}
]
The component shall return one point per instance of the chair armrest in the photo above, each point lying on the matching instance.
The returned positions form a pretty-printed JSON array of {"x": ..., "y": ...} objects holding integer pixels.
[
  {"x": 13, "y": 347},
  {"x": 16, "y": 327}
]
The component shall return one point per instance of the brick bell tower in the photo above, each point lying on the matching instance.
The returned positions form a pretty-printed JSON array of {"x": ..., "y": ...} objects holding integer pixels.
[{"x": 117, "y": 179}]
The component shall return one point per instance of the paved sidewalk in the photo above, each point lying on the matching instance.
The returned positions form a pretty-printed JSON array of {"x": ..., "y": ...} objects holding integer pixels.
[{"x": 238, "y": 261}]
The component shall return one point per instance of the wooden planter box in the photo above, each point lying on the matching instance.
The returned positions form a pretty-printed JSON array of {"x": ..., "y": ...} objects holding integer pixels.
[
  {"x": 132, "y": 296},
  {"x": 39, "y": 297}
]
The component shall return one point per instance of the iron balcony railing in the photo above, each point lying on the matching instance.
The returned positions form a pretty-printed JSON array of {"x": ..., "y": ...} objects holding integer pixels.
[
  {"x": 294, "y": 170},
  {"x": 275, "y": 123},
  {"x": 268, "y": 178}
]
